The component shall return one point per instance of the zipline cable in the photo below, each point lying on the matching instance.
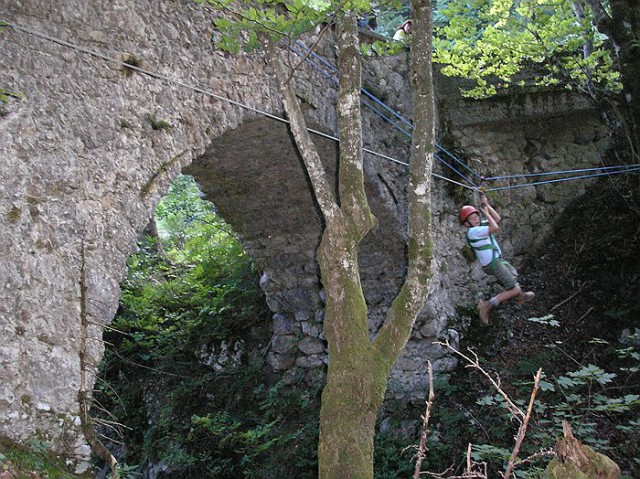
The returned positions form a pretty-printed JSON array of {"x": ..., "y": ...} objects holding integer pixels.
[
  {"x": 365, "y": 92},
  {"x": 194, "y": 88},
  {"x": 558, "y": 180},
  {"x": 373, "y": 108},
  {"x": 548, "y": 173},
  {"x": 370, "y": 95}
]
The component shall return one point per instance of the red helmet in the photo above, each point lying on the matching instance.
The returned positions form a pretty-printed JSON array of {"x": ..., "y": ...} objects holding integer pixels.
[{"x": 465, "y": 212}]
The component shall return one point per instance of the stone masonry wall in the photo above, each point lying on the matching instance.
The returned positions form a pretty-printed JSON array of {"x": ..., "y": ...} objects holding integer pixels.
[
  {"x": 90, "y": 147},
  {"x": 84, "y": 161}
]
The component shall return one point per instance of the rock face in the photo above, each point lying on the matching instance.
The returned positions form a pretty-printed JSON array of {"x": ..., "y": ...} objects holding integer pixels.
[{"x": 88, "y": 146}]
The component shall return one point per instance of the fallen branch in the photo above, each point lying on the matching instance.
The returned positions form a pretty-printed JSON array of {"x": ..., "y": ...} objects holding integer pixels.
[
  {"x": 533, "y": 457},
  {"x": 422, "y": 449},
  {"x": 522, "y": 417},
  {"x": 523, "y": 426},
  {"x": 475, "y": 364},
  {"x": 569, "y": 298},
  {"x": 584, "y": 315}
]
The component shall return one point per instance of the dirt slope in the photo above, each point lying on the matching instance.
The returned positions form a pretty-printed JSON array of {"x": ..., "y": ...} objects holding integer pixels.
[{"x": 587, "y": 276}]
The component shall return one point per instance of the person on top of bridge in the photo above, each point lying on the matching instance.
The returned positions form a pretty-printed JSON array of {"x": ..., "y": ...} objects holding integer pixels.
[
  {"x": 481, "y": 239},
  {"x": 402, "y": 31}
]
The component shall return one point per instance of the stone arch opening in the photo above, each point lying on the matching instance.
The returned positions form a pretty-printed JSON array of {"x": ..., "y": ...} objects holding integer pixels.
[
  {"x": 254, "y": 176},
  {"x": 85, "y": 161}
]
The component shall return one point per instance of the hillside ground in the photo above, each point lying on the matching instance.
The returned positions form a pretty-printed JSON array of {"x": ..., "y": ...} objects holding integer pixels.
[
  {"x": 586, "y": 277},
  {"x": 587, "y": 283}
]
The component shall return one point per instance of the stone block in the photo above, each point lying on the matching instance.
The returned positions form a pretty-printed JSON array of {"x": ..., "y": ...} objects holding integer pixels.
[
  {"x": 311, "y": 345},
  {"x": 311, "y": 329},
  {"x": 433, "y": 327},
  {"x": 284, "y": 344},
  {"x": 309, "y": 362},
  {"x": 283, "y": 325},
  {"x": 280, "y": 362}
]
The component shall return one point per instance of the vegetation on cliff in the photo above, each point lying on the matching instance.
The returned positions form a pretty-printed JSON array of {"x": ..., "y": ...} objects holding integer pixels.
[{"x": 189, "y": 418}]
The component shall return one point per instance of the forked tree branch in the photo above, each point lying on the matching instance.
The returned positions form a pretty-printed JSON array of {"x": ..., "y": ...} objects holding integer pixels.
[
  {"x": 522, "y": 417},
  {"x": 475, "y": 364}
]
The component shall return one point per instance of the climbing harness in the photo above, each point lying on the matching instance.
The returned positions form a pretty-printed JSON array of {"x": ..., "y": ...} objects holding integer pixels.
[{"x": 496, "y": 254}]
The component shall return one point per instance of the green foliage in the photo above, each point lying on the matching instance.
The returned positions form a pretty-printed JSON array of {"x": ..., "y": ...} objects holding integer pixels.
[
  {"x": 600, "y": 398},
  {"x": 6, "y": 95},
  {"x": 491, "y": 41},
  {"x": 392, "y": 457},
  {"x": 191, "y": 293},
  {"x": 547, "y": 319},
  {"x": 588, "y": 397},
  {"x": 243, "y": 26},
  {"x": 35, "y": 456},
  {"x": 125, "y": 471}
]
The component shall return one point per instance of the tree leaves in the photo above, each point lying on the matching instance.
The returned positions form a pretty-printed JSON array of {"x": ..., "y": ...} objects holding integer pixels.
[{"x": 492, "y": 41}]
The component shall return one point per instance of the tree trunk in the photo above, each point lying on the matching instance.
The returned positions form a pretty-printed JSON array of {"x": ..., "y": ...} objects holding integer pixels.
[
  {"x": 621, "y": 23},
  {"x": 356, "y": 382},
  {"x": 350, "y": 402},
  {"x": 358, "y": 367},
  {"x": 575, "y": 460}
]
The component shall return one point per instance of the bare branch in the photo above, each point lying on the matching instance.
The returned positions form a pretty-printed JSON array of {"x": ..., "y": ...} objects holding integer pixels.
[
  {"x": 475, "y": 364},
  {"x": 84, "y": 400},
  {"x": 523, "y": 427},
  {"x": 422, "y": 449},
  {"x": 569, "y": 298},
  {"x": 533, "y": 457},
  {"x": 517, "y": 413}
]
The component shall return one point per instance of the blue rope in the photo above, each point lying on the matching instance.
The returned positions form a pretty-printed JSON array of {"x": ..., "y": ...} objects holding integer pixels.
[
  {"x": 365, "y": 92},
  {"x": 558, "y": 180},
  {"x": 410, "y": 125},
  {"x": 461, "y": 175},
  {"x": 468, "y": 168},
  {"x": 388, "y": 108},
  {"x": 385, "y": 117},
  {"x": 318, "y": 57},
  {"x": 331, "y": 76},
  {"x": 547, "y": 173}
]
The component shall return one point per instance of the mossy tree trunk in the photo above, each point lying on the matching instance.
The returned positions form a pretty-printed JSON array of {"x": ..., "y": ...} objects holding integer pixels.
[
  {"x": 620, "y": 21},
  {"x": 358, "y": 366}
]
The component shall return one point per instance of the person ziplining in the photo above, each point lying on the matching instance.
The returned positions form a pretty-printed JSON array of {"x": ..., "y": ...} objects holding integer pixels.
[{"x": 481, "y": 239}]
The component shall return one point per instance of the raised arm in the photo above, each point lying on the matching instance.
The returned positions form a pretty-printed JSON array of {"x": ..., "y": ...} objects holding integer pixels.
[{"x": 492, "y": 216}]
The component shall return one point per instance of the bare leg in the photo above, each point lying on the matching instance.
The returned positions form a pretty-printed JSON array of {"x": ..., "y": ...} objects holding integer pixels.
[{"x": 508, "y": 294}]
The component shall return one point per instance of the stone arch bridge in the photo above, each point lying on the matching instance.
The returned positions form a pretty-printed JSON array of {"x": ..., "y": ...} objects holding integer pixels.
[{"x": 89, "y": 146}]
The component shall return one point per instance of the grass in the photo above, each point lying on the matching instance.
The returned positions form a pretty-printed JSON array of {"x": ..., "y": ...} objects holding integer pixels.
[{"x": 32, "y": 461}]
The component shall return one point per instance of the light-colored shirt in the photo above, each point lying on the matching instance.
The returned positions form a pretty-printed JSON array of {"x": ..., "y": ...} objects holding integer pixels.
[
  {"x": 400, "y": 35},
  {"x": 482, "y": 244}
]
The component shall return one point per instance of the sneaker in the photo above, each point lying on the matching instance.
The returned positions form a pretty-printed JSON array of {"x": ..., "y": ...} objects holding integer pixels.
[
  {"x": 524, "y": 297},
  {"x": 483, "y": 309}
]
